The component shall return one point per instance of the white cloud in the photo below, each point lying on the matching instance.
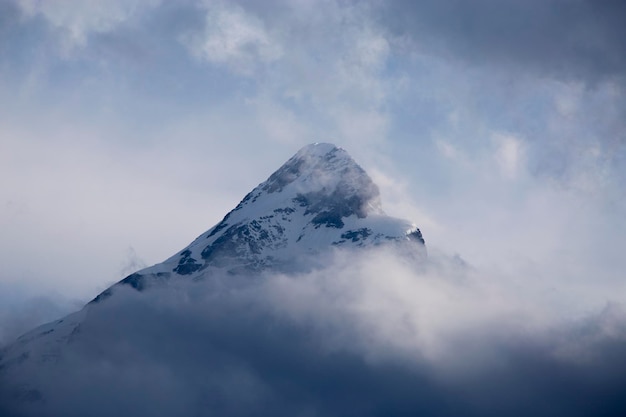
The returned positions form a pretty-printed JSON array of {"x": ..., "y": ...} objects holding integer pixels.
[
  {"x": 567, "y": 98},
  {"x": 78, "y": 19},
  {"x": 447, "y": 149},
  {"x": 76, "y": 203},
  {"x": 372, "y": 326},
  {"x": 279, "y": 123},
  {"x": 398, "y": 200},
  {"x": 509, "y": 154},
  {"x": 235, "y": 39}
]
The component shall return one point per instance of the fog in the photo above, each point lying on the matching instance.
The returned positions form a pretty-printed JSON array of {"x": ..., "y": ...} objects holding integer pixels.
[{"x": 372, "y": 333}]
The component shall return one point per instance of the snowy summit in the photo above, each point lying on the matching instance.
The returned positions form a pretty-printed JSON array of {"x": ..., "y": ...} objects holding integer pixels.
[{"x": 318, "y": 200}]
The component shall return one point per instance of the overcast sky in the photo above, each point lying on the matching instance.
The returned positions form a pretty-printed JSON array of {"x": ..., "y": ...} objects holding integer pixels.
[{"x": 129, "y": 127}]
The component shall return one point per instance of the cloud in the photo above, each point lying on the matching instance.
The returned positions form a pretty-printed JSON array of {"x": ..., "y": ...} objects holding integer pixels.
[
  {"x": 22, "y": 309},
  {"x": 368, "y": 335},
  {"x": 78, "y": 20},
  {"x": 133, "y": 263},
  {"x": 234, "y": 38},
  {"x": 566, "y": 39},
  {"x": 508, "y": 154},
  {"x": 549, "y": 73},
  {"x": 127, "y": 97}
]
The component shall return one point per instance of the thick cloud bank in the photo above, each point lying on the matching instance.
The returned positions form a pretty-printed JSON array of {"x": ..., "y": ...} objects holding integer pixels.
[
  {"x": 371, "y": 334},
  {"x": 574, "y": 38}
]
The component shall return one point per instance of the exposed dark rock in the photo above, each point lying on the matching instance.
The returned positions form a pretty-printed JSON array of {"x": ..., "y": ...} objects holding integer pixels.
[
  {"x": 102, "y": 296},
  {"x": 187, "y": 265},
  {"x": 417, "y": 235},
  {"x": 329, "y": 219},
  {"x": 134, "y": 280},
  {"x": 234, "y": 242},
  {"x": 219, "y": 227},
  {"x": 356, "y": 235},
  {"x": 286, "y": 210}
]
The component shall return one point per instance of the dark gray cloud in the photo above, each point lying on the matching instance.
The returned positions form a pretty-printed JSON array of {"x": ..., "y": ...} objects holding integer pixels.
[
  {"x": 549, "y": 72},
  {"x": 328, "y": 344},
  {"x": 566, "y": 39},
  {"x": 9, "y": 13}
]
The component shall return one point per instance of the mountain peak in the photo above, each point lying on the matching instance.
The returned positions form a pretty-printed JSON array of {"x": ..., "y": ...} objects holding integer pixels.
[
  {"x": 318, "y": 200},
  {"x": 318, "y": 149},
  {"x": 323, "y": 173}
]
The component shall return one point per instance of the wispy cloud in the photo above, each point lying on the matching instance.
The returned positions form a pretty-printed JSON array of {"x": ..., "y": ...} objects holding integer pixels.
[{"x": 233, "y": 38}]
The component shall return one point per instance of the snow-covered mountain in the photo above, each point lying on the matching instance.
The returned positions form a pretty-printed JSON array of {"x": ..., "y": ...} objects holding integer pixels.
[{"x": 318, "y": 201}]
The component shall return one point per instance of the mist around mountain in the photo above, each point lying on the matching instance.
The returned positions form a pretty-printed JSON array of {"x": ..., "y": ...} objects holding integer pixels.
[{"x": 328, "y": 308}]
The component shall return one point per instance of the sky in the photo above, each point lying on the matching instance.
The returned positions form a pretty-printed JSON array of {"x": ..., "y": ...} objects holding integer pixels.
[{"x": 128, "y": 128}]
